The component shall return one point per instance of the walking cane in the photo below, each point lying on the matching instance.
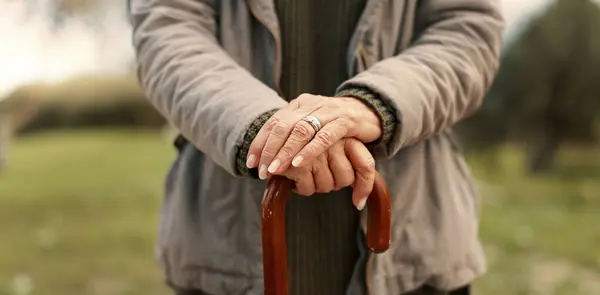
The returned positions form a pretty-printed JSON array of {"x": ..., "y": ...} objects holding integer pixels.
[{"x": 275, "y": 269}]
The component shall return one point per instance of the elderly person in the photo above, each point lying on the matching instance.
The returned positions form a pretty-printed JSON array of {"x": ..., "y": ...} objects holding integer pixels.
[{"x": 317, "y": 91}]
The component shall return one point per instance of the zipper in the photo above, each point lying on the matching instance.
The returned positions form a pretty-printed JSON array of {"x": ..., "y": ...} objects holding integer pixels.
[
  {"x": 371, "y": 258},
  {"x": 277, "y": 66}
]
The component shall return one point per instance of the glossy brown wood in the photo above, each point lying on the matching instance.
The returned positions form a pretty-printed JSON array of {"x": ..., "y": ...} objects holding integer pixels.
[
  {"x": 379, "y": 231},
  {"x": 275, "y": 268}
]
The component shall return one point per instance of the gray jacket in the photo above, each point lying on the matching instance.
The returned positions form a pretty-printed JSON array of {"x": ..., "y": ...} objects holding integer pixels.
[{"x": 211, "y": 68}]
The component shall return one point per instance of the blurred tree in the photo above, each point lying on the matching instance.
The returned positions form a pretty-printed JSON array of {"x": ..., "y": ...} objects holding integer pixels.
[
  {"x": 547, "y": 91},
  {"x": 60, "y": 11},
  {"x": 82, "y": 102},
  {"x": 70, "y": 7}
]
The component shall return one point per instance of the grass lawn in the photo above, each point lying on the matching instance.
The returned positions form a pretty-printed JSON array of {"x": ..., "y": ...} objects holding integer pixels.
[{"x": 78, "y": 217}]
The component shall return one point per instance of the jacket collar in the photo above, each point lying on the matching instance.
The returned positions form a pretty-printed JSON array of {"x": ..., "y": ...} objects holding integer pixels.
[{"x": 264, "y": 11}]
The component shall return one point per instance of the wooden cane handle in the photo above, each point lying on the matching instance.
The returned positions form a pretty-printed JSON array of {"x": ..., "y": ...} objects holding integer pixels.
[{"x": 275, "y": 268}]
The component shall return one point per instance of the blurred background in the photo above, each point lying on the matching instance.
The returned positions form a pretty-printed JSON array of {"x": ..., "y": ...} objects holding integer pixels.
[{"x": 83, "y": 155}]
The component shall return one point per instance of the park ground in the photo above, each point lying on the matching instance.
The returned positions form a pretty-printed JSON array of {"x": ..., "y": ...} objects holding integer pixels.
[{"x": 78, "y": 217}]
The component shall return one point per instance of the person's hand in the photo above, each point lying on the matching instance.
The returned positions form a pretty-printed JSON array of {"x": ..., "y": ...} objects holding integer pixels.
[
  {"x": 286, "y": 139},
  {"x": 346, "y": 163}
]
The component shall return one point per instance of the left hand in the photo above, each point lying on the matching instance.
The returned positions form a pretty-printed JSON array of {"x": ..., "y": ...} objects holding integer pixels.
[
  {"x": 286, "y": 139},
  {"x": 347, "y": 163}
]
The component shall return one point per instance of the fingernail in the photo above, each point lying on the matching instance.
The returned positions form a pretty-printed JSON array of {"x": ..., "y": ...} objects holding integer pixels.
[
  {"x": 250, "y": 162},
  {"x": 274, "y": 166},
  {"x": 262, "y": 172},
  {"x": 297, "y": 160},
  {"x": 361, "y": 204}
]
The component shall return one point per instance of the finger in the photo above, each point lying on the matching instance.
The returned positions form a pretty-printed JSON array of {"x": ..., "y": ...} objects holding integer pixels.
[
  {"x": 260, "y": 139},
  {"x": 340, "y": 166},
  {"x": 279, "y": 133},
  {"x": 322, "y": 176},
  {"x": 303, "y": 180},
  {"x": 364, "y": 167},
  {"x": 323, "y": 140},
  {"x": 277, "y": 125},
  {"x": 301, "y": 135},
  {"x": 303, "y": 132}
]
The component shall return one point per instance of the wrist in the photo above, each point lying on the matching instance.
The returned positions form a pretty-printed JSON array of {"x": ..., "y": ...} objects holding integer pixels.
[
  {"x": 363, "y": 115},
  {"x": 243, "y": 148},
  {"x": 385, "y": 113}
]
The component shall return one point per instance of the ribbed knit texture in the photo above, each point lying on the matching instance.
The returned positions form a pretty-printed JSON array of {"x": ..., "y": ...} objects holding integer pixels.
[
  {"x": 251, "y": 132},
  {"x": 388, "y": 120}
]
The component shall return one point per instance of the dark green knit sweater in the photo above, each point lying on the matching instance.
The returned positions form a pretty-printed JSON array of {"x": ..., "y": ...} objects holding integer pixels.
[{"x": 322, "y": 229}]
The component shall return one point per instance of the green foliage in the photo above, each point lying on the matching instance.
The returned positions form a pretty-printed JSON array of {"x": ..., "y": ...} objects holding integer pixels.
[
  {"x": 546, "y": 92},
  {"x": 73, "y": 7},
  {"x": 83, "y": 102},
  {"x": 78, "y": 213}
]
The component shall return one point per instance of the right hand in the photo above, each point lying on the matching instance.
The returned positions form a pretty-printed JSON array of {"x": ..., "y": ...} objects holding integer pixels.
[{"x": 347, "y": 163}]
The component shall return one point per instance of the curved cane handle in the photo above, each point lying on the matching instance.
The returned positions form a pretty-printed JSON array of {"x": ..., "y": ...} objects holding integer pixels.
[{"x": 275, "y": 268}]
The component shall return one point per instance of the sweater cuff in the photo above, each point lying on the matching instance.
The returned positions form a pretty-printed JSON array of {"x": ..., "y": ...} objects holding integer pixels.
[
  {"x": 371, "y": 99},
  {"x": 251, "y": 133}
]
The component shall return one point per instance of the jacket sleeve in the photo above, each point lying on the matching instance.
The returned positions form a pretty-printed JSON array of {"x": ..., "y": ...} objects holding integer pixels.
[
  {"x": 444, "y": 75},
  {"x": 192, "y": 81}
]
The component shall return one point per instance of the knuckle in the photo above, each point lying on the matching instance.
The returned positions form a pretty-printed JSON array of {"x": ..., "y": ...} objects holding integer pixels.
[
  {"x": 272, "y": 122},
  {"x": 280, "y": 129},
  {"x": 368, "y": 165},
  {"x": 286, "y": 152},
  {"x": 325, "y": 189},
  {"x": 304, "y": 96},
  {"x": 346, "y": 179},
  {"x": 294, "y": 104},
  {"x": 301, "y": 191},
  {"x": 309, "y": 101},
  {"x": 329, "y": 186},
  {"x": 305, "y": 191},
  {"x": 371, "y": 163},
  {"x": 311, "y": 149},
  {"x": 324, "y": 137},
  {"x": 325, "y": 185},
  {"x": 268, "y": 153},
  {"x": 301, "y": 174},
  {"x": 352, "y": 144},
  {"x": 302, "y": 130},
  {"x": 343, "y": 184}
]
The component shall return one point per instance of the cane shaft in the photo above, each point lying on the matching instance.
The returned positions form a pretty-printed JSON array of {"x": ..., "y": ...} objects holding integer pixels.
[{"x": 275, "y": 269}]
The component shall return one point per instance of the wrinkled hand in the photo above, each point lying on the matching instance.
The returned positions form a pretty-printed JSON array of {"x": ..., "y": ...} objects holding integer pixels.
[
  {"x": 346, "y": 163},
  {"x": 286, "y": 139}
]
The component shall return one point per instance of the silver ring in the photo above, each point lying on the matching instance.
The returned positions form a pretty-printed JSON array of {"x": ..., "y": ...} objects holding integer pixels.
[{"x": 313, "y": 121}]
